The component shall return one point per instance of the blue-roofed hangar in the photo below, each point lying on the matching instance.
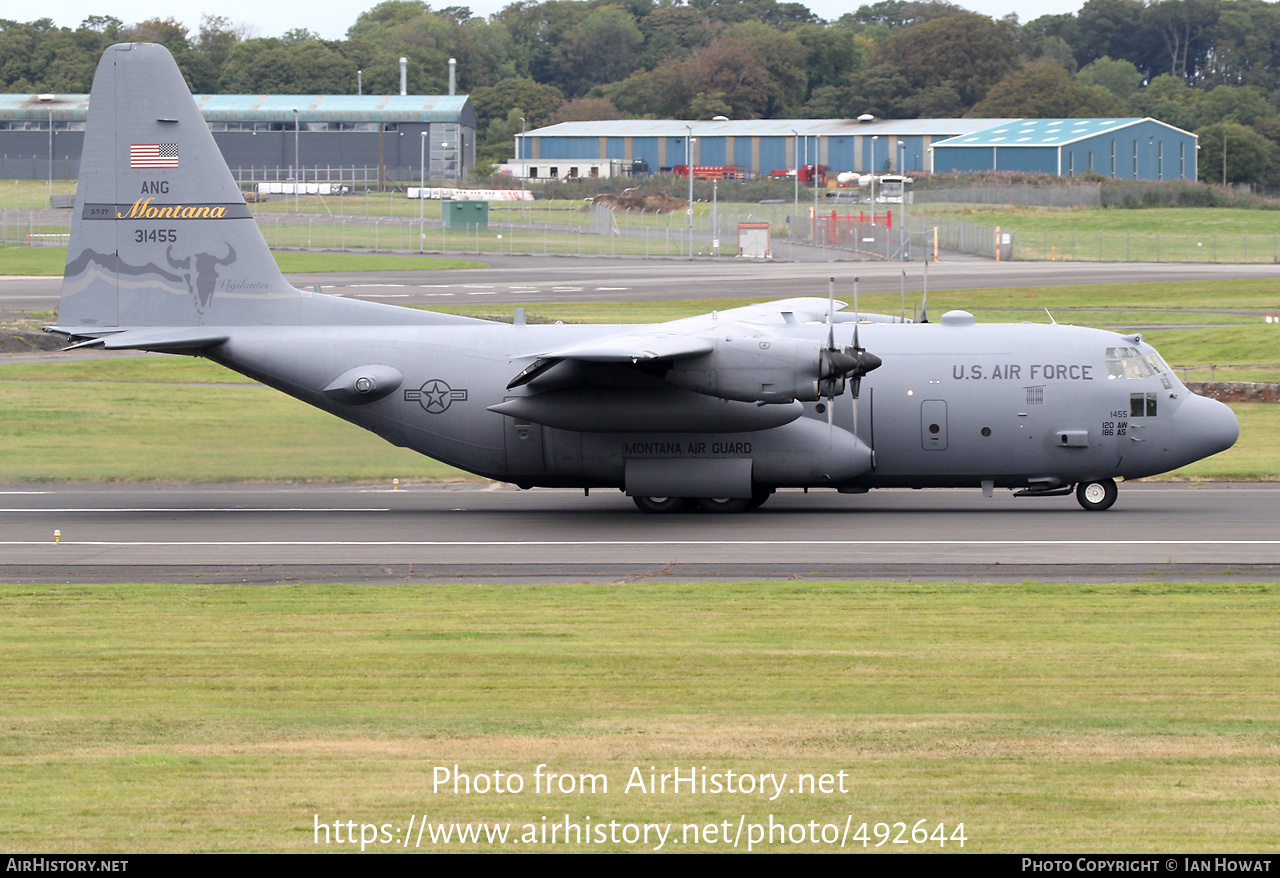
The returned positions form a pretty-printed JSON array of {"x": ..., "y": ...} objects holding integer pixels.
[
  {"x": 1126, "y": 149},
  {"x": 386, "y": 137},
  {"x": 1143, "y": 149}
]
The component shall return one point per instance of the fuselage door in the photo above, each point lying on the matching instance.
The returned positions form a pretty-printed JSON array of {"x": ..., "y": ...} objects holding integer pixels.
[
  {"x": 524, "y": 445},
  {"x": 933, "y": 424}
]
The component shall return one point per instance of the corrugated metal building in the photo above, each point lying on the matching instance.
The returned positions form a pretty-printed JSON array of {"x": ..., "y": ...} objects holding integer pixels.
[
  {"x": 279, "y": 132},
  {"x": 1128, "y": 149},
  {"x": 757, "y": 146},
  {"x": 1132, "y": 148}
]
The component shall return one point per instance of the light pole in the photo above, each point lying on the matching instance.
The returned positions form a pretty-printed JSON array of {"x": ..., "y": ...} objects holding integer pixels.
[
  {"x": 688, "y": 159},
  {"x": 48, "y": 99},
  {"x": 297, "y": 166},
  {"x": 422, "y": 188},
  {"x": 874, "y": 138},
  {"x": 1224, "y": 154},
  {"x": 902, "y": 214},
  {"x": 715, "y": 220},
  {"x": 795, "y": 210},
  {"x": 814, "y": 225},
  {"x": 524, "y": 169}
]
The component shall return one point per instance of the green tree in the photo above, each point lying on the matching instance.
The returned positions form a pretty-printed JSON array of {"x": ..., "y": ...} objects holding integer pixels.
[
  {"x": 969, "y": 51},
  {"x": 1044, "y": 91},
  {"x": 661, "y": 93},
  {"x": 782, "y": 16},
  {"x": 832, "y": 54},
  {"x": 586, "y": 110},
  {"x": 1246, "y": 48},
  {"x": 534, "y": 101},
  {"x": 1227, "y": 104},
  {"x": 1169, "y": 99},
  {"x": 1119, "y": 77},
  {"x": 604, "y": 48},
  {"x": 1185, "y": 27},
  {"x": 1247, "y": 154},
  {"x": 728, "y": 66},
  {"x": 1114, "y": 29},
  {"x": 883, "y": 91},
  {"x": 386, "y": 16},
  {"x": 672, "y": 32},
  {"x": 783, "y": 58}
]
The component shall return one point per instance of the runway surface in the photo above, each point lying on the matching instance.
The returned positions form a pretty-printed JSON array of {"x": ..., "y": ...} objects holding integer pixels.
[
  {"x": 481, "y": 533},
  {"x": 517, "y": 279}
]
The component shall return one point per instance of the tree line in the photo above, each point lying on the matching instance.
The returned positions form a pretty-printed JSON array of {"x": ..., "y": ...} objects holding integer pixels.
[{"x": 1208, "y": 66}]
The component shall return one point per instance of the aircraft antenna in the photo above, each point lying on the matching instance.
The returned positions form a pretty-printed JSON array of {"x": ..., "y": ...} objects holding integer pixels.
[
  {"x": 924, "y": 296},
  {"x": 1051, "y": 320}
]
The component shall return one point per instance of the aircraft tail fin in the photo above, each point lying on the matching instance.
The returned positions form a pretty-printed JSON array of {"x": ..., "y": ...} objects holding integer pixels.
[{"x": 162, "y": 236}]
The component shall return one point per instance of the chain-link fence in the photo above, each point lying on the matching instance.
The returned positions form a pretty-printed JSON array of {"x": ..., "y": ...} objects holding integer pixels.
[
  {"x": 35, "y": 228},
  {"x": 35, "y": 168},
  {"x": 1028, "y": 196},
  {"x": 383, "y": 221},
  {"x": 1116, "y": 246}
]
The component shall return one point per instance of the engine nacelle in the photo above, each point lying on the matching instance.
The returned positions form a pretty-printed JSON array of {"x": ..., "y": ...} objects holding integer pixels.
[{"x": 754, "y": 369}]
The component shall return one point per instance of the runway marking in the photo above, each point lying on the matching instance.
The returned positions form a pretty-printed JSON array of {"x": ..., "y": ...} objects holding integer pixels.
[
  {"x": 366, "y": 286},
  {"x": 535, "y": 543},
  {"x": 28, "y": 510}
]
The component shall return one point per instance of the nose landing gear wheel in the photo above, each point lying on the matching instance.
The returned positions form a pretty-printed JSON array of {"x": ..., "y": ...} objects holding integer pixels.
[
  {"x": 660, "y": 505},
  {"x": 1097, "y": 496}
]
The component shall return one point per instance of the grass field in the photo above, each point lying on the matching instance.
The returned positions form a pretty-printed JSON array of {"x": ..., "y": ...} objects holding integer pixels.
[
  {"x": 32, "y": 194},
  {"x": 1045, "y": 718},
  {"x": 1174, "y": 234},
  {"x": 50, "y": 261},
  {"x": 1202, "y": 221}
]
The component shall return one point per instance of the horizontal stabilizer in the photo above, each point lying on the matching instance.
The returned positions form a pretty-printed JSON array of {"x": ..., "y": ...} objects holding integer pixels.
[{"x": 168, "y": 340}]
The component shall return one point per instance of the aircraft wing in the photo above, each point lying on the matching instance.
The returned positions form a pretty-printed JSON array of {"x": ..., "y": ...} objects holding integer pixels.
[{"x": 680, "y": 339}]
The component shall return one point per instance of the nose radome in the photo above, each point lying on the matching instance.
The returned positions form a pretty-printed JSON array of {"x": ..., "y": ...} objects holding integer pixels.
[{"x": 1203, "y": 427}]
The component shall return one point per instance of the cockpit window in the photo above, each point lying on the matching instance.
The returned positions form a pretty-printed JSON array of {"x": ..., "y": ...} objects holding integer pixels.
[{"x": 1130, "y": 363}]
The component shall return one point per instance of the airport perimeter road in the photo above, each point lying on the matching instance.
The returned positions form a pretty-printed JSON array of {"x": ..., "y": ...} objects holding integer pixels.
[
  {"x": 260, "y": 534},
  {"x": 516, "y": 279}
]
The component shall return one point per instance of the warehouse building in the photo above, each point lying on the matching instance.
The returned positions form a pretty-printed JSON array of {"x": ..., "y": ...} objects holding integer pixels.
[
  {"x": 1126, "y": 149},
  {"x": 330, "y": 137},
  {"x": 762, "y": 146}
]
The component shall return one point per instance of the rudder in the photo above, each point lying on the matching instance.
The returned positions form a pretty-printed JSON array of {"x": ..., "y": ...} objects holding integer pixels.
[{"x": 162, "y": 235}]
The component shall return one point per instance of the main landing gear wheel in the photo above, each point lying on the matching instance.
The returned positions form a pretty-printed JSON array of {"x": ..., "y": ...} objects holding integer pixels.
[
  {"x": 1097, "y": 496},
  {"x": 758, "y": 496},
  {"x": 724, "y": 504},
  {"x": 660, "y": 505}
]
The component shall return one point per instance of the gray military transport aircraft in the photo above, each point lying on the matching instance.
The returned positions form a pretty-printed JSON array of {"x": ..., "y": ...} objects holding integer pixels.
[{"x": 716, "y": 411}]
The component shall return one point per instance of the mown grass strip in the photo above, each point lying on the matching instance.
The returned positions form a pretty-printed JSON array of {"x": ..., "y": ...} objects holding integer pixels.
[
  {"x": 50, "y": 261},
  {"x": 1128, "y": 717}
]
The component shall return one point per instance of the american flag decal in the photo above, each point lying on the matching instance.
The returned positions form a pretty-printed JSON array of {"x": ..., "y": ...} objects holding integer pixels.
[{"x": 153, "y": 155}]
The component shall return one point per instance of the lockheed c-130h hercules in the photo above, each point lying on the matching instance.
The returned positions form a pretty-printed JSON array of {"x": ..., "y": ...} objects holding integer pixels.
[{"x": 717, "y": 411}]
